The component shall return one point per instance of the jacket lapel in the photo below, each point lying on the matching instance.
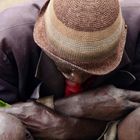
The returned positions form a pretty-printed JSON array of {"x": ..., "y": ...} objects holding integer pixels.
[{"x": 48, "y": 73}]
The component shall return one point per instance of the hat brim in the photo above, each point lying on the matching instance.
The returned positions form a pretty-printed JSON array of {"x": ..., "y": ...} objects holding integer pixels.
[{"x": 102, "y": 68}]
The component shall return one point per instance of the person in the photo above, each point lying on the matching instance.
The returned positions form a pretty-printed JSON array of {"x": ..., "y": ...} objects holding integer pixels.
[{"x": 85, "y": 60}]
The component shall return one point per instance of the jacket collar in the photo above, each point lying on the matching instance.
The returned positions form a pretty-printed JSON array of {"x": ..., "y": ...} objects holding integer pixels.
[{"x": 125, "y": 60}]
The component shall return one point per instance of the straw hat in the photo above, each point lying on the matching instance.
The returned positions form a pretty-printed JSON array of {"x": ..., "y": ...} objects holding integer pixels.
[{"x": 88, "y": 35}]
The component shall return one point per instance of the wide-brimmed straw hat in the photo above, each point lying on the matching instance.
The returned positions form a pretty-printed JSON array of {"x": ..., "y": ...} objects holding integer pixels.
[{"x": 88, "y": 35}]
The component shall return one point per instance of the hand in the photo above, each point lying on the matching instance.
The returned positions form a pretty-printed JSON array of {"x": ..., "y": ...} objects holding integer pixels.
[
  {"x": 105, "y": 103},
  {"x": 43, "y": 122},
  {"x": 39, "y": 119}
]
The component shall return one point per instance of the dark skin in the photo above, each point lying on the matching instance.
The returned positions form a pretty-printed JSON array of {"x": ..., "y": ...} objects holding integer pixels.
[
  {"x": 7, "y": 131},
  {"x": 106, "y": 103},
  {"x": 128, "y": 129},
  {"x": 51, "y": 124},
  {"x": 45, "y": 123},
  {"x": 78, "y": 117}
]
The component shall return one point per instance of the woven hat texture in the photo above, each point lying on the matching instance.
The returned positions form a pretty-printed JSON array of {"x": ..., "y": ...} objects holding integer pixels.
[{"x": 85, "y": 34}]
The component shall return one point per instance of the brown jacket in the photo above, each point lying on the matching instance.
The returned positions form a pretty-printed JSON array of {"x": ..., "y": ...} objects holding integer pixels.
[{"x": 23, "y": 67}]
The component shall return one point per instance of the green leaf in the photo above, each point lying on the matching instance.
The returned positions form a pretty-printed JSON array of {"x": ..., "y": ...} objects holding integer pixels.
[{"x": 3, "y": 104}]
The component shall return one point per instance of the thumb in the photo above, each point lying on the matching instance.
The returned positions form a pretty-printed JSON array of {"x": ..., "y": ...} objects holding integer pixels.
[
  {"x": 132, "y": 105},
  {"x": 11, "y": 110}
]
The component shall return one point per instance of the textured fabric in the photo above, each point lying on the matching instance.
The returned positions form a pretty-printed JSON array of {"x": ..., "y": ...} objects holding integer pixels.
[
  {"x": 19, "y": 56},
  {"x": 96, "y": 51},
  {"x": 18, "y": 52},
  {"x": 86, "y": 15},
  {"x": 81, "y": 50}
]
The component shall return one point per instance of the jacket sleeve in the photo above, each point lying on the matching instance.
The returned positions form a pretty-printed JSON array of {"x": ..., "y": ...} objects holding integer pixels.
[
  {"x": 131, "y": 14},
  {"x": 135, "y": 69},
  {"x": 8, "y": 77},
  {"x": 18, "y": 60},
  {"x": 18, "y": 52},
  {"x": 135, "y": 39}
]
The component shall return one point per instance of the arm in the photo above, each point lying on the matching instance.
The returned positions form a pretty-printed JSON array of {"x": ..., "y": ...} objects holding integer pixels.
[
  {"x": 8, "y": 78},
  {"x": 105, "y": 103},
  {"x": 13, "y": 76},
  {"x": 43, "y": 122},
  {"x": 18, "y": 52}
]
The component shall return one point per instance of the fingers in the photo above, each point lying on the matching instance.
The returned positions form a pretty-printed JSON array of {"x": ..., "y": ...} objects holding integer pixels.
[
  {"x": 12, "y": 110},
  {"x": 133, "y": 96},
  {"x": 131, "y": 106}
]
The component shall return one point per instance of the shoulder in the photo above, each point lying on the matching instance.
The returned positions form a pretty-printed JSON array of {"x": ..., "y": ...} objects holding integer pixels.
[
  {"x": 17, "y": 20},
  {"x": 16, "y": 26},
  {"x": 20, "y": 14},
  {"x": 130, "y": 3},
  {"x": 131, "y": 14}
]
